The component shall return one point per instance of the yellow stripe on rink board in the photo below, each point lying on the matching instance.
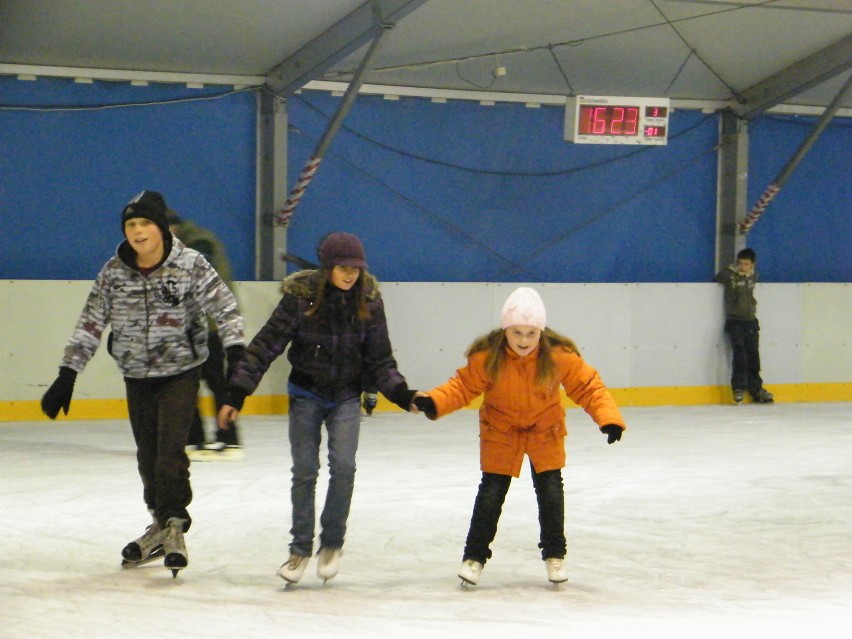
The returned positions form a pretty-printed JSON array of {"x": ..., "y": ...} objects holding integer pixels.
[{"x": 91, "y": 409}]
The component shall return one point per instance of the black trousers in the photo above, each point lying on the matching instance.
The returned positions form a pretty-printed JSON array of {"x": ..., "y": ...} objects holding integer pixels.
[
  {"x": 549, "y": 493},
  {"x": 213, "y": 374},
  {"x": 160, "y": 413},
  {"x": 745, "y": 371}
]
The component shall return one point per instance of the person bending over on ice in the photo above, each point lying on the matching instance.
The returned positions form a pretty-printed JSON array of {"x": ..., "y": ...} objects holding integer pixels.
[
  {"x": 333, "y": 320},
  {"x": 520, "y": 368},
  {"x": 154, "y": 294}
]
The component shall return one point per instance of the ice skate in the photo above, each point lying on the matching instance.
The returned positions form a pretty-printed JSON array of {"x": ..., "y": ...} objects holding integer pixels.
[
  {"x": 762, "y": 396},
  {"x": 738, "y": 396},
  {"x": 174, "y": 547},
  {"x": 211, "y": 451},
  {"x": 556, "y": 572},
  {"x": 232, "y": 452},
  {"x": 227, "y": 445},
  {"x": 328, "y": 563},
  {"x": 370, "y": 401},
  {"x": 469, "y": 572},
  {"x": 293, "y": 569},
  {"x": 145, "y": 548}
]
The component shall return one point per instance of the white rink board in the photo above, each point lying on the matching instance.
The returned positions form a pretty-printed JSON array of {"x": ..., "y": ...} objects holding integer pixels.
[{"x": 636, "y": 335}]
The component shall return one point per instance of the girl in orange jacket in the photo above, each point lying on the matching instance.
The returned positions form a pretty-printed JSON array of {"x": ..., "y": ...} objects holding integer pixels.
[{"x": 519, "y": 368}]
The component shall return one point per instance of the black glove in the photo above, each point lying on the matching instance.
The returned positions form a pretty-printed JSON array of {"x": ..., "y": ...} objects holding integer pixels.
[
  {"x": 426, "y": 405},
  {"x": 401, "y": 396},
  {"x": 59, "y": 394},
  {"x": 233, "y": 354},
  {"x": 236, "y": 398},
  {"x": 612, "y": 432}
]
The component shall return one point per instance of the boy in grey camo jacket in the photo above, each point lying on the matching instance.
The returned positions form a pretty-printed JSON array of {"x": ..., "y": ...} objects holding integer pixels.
[{"x": 155, "y": 294}]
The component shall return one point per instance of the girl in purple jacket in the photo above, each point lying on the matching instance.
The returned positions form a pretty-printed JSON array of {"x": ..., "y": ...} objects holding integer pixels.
[{"x": 333, "y": 320}]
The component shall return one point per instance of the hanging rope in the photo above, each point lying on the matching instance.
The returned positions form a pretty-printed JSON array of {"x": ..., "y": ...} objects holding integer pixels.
[
  {"x": 775, "y": 186},
  {"x": 282, "y": 217},
  {"x": 768, "y": 195}
]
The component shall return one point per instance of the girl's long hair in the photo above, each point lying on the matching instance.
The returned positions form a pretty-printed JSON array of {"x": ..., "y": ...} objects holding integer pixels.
[
  {"x": 495, "y": 344},
  {"x": 360, "y": 293}
]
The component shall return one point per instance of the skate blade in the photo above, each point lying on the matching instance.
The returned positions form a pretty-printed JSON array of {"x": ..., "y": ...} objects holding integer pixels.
[
  {"x": 466, "y": 584},
  {"x": 224, "y": 455},
  {"x": 175, "y": 562},
  {"x": 156, "y": 554}
]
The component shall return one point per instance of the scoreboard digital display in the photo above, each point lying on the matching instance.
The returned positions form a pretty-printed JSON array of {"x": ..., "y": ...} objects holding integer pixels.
[{"x": 617, "y": 120}]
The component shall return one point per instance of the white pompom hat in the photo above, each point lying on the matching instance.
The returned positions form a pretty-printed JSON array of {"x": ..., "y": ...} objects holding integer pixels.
[{"x": 524, "y": 308}]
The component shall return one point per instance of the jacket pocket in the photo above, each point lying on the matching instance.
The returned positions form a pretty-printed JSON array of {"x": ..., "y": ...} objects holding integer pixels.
[
  {"x": 551, "y": 433},
  {"x": 494, "y": 436}
]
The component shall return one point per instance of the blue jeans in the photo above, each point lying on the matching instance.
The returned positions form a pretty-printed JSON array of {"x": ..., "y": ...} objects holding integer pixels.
[{"x": 343, "y": 423}]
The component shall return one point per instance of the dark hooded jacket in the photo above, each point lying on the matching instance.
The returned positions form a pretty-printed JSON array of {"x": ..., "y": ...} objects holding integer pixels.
[
  {"x": 740, "y": 303},
  {"x": 330, "y": 350}
]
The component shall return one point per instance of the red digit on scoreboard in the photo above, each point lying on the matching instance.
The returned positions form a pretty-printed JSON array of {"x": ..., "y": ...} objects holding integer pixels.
[
  {"x": 617, "y": 125},
  {"x": 632, "y": 121},
  {"x": 599, "y": 122}
]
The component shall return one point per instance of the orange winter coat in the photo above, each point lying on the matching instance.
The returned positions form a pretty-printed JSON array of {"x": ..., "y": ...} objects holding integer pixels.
[{"x": 519, "y": 417}]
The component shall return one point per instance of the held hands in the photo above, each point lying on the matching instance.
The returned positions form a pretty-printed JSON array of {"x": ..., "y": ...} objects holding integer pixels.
[
  {"x": 231, "y": 409},
  {"x": 59, "y": 394},
  {"x": 612, "y": 432},
  {"x": 426, "y": 405},
  {"x": 403, "y": 397},
  {"x": 227, "y": 416}
]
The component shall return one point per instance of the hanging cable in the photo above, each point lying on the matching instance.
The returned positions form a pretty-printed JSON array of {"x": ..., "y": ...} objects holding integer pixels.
[
  {"x": 468, "y": 169},
  {"x": 125, "y": 105},
  {"x": 610, "y": 209},
  {"x": 677, "y": 74},
  {"x": 471, "y": 82},
  {"x": 561, "y": 70},
  {"x": 418, "y": 65},
  {"x": 416, "y": 205},
  {"x": 692, "y": 49}
]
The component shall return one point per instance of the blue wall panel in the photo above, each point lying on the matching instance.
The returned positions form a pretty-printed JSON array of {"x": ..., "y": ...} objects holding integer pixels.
[
  {"x": 438, "y": 192},
  {"x": 805, "y": 234},
  {"x": 67, "y": 173},
  {"x": 464, "y": 192}
]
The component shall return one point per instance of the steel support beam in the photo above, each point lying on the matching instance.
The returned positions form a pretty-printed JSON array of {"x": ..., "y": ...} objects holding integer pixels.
[
  {"x": 732, "y": 188},
  {"x": 801, "y": 76},
  {"x": 283, "y": 216},
  {"x": 270, "y": 240},
  {"x": 345, "y": 36},
  {"x": 775, "y": 186}
]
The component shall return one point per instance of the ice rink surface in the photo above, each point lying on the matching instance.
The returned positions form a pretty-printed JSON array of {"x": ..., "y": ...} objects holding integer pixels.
[{"x": 716, "y": 521}]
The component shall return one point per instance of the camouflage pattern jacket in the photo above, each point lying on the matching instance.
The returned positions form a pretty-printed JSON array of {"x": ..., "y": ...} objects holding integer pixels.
[
  {"x": 329, "y": 350},
  {"x": 158, "y": 321}
]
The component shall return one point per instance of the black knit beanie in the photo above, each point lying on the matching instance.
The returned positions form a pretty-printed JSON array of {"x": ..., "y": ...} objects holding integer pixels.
[{"x": 151, "y": 206}]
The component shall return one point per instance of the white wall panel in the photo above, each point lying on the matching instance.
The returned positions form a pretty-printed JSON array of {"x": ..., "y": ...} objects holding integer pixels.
[
  {"x": 826, "y": 318},
  {"x": 635, "y": 334},
  {"x": 779, "y": 309}
]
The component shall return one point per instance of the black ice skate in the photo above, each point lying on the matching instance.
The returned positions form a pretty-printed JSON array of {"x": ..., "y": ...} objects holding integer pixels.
[
  {"x": 174, "y": 547},
  {"x": 145, "y": 548},
  {"x": 762, "y": 396}
]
